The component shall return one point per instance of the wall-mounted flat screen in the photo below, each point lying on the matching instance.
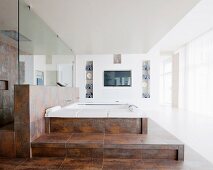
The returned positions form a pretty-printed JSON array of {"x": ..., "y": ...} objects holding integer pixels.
[{"x": 117, "y": 78}]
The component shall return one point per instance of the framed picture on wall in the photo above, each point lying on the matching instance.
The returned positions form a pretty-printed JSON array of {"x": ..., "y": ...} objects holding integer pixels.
[{"x": 39, "y": 78}]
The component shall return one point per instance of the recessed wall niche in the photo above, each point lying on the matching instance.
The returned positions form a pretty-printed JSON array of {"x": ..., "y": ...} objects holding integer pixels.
[
  {"x": 146, "y": 79},
  {"x": 89, "y": 79},
  {"x": 4, "y": 85}
]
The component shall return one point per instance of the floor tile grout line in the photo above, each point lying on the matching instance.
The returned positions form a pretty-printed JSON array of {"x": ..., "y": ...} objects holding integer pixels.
[
  {"x": 68, "y": 140},
  {"x": 62, "y": 163},
  {"x": 22, "y": 162},
  {"x": 103, "y": 151},
  {"x": 104, "y": 145},
  {"x": 66, "y": 149}
]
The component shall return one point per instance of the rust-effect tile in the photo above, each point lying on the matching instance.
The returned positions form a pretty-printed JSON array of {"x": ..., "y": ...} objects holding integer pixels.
[
  {"x": 143, "y": 165},
  {"x": 122, "y": 141},
  {"x": 8, "y": 77},
  {"x": 122, "y": 146},
  {"x": 22, "y": 105},
  {"x": 97, "y": 164},
  {"x": 98, "y": 153},
  {"x": 49, "y": 152},
  {"x": 79, "y": 153},
  {"x": 82, "y": 140},
  {"x": 82, "y": 153},
  {"x": 22, "y": 140},
  {"x": 122, "y": 153},
  {"x": 159, "y": 154},
  {"x": 76, "y": 125},
  {"x": 47, "y": 125},
  {"x": 97, "y": 125},
  {"x": 41, "y": 163},
  {"x": 168, "y": 164},
  {"x": 6, "y": 163},
  {"x": 144, "y": 126},
  {"x": 122, "y": 125},
  {"x": 81, "y": 164},
  {"x": 77, "y": 164},
  {"x": 55, "y": 140},
  {"x": 7, "y": 144},
  {"x": 115, "y": 164}
]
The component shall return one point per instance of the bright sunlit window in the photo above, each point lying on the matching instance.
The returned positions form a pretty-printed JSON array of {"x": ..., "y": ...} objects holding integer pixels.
[
  {"x": 166, "y": 82},
  {"x": 198, "y": 75}
]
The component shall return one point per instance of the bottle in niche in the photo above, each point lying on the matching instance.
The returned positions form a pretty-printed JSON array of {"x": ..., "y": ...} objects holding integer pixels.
[
  {"x": 89, "y": 86},
  {"x": 89, "y": 67},
  {"x": 146, "y": 67},
  {"x": 89, "y": 95},
  {"x": 146, "y": 76},
  {"x": 146, "y": 95}
]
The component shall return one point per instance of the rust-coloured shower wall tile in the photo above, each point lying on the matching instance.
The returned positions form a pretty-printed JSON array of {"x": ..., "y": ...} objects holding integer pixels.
[
  {"x": 22, "y": 105},
  {"x": 7, "y": 144},
  {"x": 21, "y": 118},
  {"x": 22, "y": 138},
  {"x": 8, "y": 77}
]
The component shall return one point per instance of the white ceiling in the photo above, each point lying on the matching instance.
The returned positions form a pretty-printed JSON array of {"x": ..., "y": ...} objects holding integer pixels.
[
  {"x": 195, "y": 23},
  {"x": 111, "y": 26}
]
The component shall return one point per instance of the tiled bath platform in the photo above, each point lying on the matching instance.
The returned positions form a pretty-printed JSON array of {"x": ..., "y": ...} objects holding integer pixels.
[
  {"x": 156, "y": 135},
  {"x": 158, "y": 144},
  {"x": 116, "y": 146}
]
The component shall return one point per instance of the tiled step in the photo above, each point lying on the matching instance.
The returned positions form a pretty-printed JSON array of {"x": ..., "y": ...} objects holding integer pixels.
[{"x": 115, "y": 146}]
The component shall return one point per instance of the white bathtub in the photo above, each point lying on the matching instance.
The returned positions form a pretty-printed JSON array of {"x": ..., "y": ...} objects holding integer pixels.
[{"x": 97, "y": 110}]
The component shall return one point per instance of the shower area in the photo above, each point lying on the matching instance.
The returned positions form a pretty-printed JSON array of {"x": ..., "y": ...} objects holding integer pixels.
[{"x": 30, "y": 53}]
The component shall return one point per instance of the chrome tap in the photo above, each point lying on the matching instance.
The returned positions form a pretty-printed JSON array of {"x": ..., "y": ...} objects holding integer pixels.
[{"x": 131, "y": 107}]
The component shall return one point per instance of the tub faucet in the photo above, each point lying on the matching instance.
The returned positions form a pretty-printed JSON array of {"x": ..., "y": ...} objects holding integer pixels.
[{"x": 131, "y": 107}]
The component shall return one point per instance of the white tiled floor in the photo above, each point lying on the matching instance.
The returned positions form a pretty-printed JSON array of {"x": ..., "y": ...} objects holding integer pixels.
[{"x": 193, "y": 129}]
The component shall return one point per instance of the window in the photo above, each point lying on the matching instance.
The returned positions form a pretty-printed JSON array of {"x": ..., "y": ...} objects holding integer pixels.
[
  {"x": 166, "y": 82},
  {"x": 197, "y": 92}
]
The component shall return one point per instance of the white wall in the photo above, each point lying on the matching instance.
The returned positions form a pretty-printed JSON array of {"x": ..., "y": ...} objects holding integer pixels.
[
  {"x": 131, "y": 94},
  {"x": 29, "y": 68},
  {"x": 51, "y": 67},
  {"x": 33, "y": 63},
  {"x": 59, "y": 59},
  {"x": 40, "y": 65}
]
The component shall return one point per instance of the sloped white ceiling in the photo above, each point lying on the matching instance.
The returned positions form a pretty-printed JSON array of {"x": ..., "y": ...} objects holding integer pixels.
[
  {"x": 197, "y": 22},
  {"x": 111, "y": 26}
]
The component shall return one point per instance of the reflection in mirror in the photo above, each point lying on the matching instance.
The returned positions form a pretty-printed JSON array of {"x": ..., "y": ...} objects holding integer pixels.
[{"x": 44, "y": 59}]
